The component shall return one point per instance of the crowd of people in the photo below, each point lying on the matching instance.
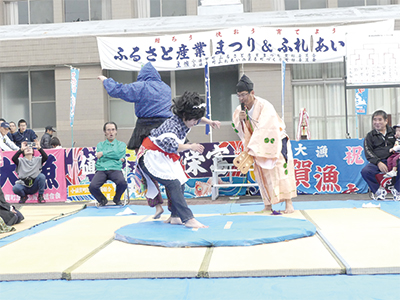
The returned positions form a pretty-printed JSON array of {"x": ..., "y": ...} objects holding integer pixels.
[{"x": 160, "y": 135}]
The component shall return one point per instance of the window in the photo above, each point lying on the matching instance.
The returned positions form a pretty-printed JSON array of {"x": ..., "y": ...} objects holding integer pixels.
[
  {"x": 319, "y": 88},
  {"x": 30, "y": 96},
  {"x": 28, "y": 12},
  {"x": 87, "y": 10},
  {"x": 304, "y": 4},
  {"x": 167, "y": 8},
  {"x": 349, "y": 3},
  {"x": 222, "y": 85}
]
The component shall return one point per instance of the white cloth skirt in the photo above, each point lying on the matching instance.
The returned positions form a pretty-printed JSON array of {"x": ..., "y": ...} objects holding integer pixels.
[{"x": 162, "y": 166}]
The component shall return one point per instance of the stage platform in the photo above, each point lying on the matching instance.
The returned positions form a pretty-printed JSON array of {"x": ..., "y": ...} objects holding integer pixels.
[{"x": 71, "y": 243}]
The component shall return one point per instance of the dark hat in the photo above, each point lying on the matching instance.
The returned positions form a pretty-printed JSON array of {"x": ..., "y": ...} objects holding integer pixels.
[
  {"x": 50, "y": 128},
  {"x": 5, "y": 125},
  {"x": 396, "y": 126},
  {"x": 244, "y": 84}
]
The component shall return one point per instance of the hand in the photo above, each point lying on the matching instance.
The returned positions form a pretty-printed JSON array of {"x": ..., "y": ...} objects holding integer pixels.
[
  {"x": 99, "y": 154},
  {"x": 101, "y": 77},
  {"x": 24, "y": 145},
  {"x": 37, "y": 144},
  {"x": 382, "y": 167},
  {"x": 242, "y": 115},
  {"x": 197, "y": 147},
  {"x": 215, "y": 124}
]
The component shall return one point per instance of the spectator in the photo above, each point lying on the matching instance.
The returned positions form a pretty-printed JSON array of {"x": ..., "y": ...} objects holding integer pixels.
[
  {"x": 13, "y": 127},
  {"x": 110, "y": 155},
  {"x": 55, "y": 143},
  {"x": 5, "y": 143},
  {"x": 152, "y": 98},
  {"x": 9, "y": 134},
  {"x": 377, "y": 145},
  {"x": 9, "y": 213},
  {"x": 29, "y": 168},
  {"x": 46, "y": 138},
  {"x": 23, "y": 134}
]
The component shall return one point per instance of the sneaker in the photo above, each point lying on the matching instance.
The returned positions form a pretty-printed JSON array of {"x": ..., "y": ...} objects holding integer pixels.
[
  {"x": 380, "y": 194},
  {"x": 117, "y": 202},
  {"x": 23, "y": 199},
  {"x": 103, "y": 203},
  {"x": 40, "y": 199},
  {"x": 396, "y": 194},
  {"x": 392, "y": 173}
]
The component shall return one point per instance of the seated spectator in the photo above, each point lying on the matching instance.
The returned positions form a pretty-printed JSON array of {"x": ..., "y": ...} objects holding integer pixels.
[
  {"x": 46, "y": 138},
  {"x": 110, "y": 155},
  {"x": 5, "y": 143},
  {"x": 23, "y": 134},
  {"x": 29, "y": 168},
  {"x": 55, "y": 143},
  {"x": 377, "y": 145},
  {"x": 9, "y": 213}
]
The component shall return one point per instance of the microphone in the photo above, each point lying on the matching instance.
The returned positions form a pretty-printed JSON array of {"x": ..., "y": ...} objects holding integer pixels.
[{"x": 242, "y": 106}]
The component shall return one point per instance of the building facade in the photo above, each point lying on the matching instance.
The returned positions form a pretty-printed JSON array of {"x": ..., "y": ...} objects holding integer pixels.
[{"x": 41, "y": 39}]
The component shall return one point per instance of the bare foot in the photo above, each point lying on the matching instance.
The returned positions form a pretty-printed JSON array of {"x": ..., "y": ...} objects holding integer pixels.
[
  {"x": 267, "y": 208},
  {"x": 174, "y": 221},
  {"x": 289, "y": 206},
  {"x": 193, "y": 223},
  {"x": 159, "y": 211}
]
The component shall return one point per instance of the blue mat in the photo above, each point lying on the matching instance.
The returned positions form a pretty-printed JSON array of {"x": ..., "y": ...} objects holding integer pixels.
[
  {"x": 242, "y": 231},
  {"x": 391, "y": 207},
  {"x": 362, "y": 287}
]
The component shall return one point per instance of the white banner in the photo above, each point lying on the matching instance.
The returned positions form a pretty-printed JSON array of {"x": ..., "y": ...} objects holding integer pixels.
[{"x": 231, "y": 46}]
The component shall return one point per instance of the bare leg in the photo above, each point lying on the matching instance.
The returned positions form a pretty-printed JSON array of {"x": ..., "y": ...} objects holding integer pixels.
[
  {"x": 174, "y": 221},
  {"x": 289, "y": 206},
  {"x": 193, "y": 223},
  {"x": 159, "y": 211}
]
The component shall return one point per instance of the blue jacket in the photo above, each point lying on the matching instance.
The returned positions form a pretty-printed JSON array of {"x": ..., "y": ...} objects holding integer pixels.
[
  {"x": 27, "y": 136},
  {"x": 152, "y": 97}
]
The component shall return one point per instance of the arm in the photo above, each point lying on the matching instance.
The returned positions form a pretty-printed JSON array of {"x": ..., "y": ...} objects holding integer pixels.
[
  {"x": 194, "y": 147},
  {"x": 213, "y": 124},
  {"x": 116, "y": 153},
  {"x": 369, "y": 152},
  {"x": 129, "y": 92},
  {"x": 15, "y": 157},
  {"x": 42, "y": 153},
  {"x": 3, "y": 145}
]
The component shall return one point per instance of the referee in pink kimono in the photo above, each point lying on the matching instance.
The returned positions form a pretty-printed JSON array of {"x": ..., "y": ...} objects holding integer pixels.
[{"x": 263, "y": 134}]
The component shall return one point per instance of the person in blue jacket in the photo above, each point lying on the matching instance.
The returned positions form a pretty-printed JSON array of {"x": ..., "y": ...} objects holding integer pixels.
[
  {"x": 23, "y": 134},
  {"x": 152, "y": 98}
]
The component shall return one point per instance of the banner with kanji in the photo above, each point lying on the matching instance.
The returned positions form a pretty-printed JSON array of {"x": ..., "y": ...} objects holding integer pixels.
[
  {"x": 231, "y": 46},
  {"x": 53, "y": 169},
  {"x": 321, "y": 167},
  {"x": 329, "y": 166}
]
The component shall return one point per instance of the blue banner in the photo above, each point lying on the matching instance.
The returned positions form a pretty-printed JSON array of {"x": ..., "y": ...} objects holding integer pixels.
[
  {"x": 74, "y": 89},
  {"x": 361, "y": 101},
  {"x": 329, "y": 166},
  {"x": 283, "y": 87},
  {"x": 207, "y": 84}
]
